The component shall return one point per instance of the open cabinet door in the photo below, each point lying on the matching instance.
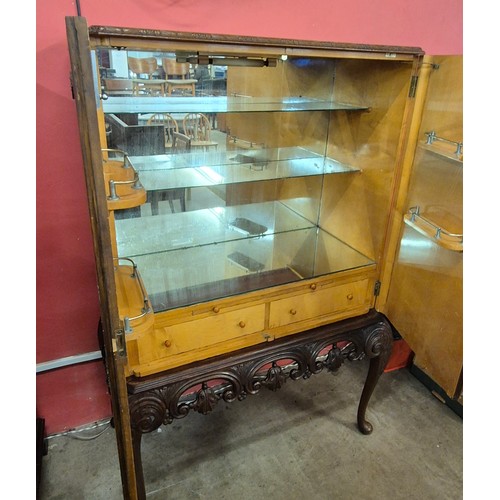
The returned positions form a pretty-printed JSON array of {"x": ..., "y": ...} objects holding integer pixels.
[
  {"x": 112, "y": 329},
  {"x": 425, "y": 295}
]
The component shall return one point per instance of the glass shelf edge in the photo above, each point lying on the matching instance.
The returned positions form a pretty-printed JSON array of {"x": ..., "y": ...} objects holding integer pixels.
[
  {"x": 194, "y": 174},
  {"x": 194, "y": 104}
]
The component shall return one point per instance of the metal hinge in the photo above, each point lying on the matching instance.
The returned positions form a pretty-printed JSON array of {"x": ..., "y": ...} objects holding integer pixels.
[
  {"x": 413, "y": 86},
  {"x": 376, "y": 288},
  {"x": 120, "y": 343}
]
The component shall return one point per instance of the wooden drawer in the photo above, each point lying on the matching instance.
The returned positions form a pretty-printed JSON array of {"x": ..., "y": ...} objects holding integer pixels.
[
  {"x": 200, "y": 333},
  {"x": 319, "y": 302},
  {"x": 191, "y": 334}
]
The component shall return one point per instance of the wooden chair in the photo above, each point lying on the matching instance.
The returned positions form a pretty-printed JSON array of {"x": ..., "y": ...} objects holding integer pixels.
[
  {"x": 145, "y": 66},
  {"x": 177, "y": 76},
  {"x": 180, "y": 144},
  {"x": 169, "y": 125},
  {"x": 197, "y": 127}
]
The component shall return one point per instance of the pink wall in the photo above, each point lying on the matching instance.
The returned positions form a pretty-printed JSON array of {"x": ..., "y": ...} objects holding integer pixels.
[{"x": 67, "y": 300}]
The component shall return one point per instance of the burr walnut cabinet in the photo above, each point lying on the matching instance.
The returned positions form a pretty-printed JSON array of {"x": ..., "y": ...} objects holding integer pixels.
[{"x": 245, "y": 231}]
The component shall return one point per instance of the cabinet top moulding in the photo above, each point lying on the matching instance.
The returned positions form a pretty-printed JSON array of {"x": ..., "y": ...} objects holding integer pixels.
[{"x": 112, "y": 36}]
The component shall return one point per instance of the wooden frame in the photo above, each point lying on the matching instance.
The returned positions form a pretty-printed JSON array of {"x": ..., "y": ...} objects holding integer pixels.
[{"x": 76, "y": 29}]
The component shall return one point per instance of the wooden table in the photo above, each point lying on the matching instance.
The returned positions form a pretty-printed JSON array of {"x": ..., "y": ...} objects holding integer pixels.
[
  {"x": 164, "y": 397},
  {"x": 149, "y": 85},
  {"x": 187, "y": 84}
]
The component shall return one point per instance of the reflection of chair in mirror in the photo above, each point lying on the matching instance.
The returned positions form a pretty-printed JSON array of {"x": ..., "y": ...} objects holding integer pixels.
[
  {"x": 180, "y": 144},
  {"x": 197, "y": 127},
  {"x": 177, "y": 76},
  {"x": 169, "y": 125},
  {"x": 145, "y": 66}
]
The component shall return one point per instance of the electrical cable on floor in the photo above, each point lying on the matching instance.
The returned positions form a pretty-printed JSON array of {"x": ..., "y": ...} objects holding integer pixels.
[
  {"x": 87, "y": 438},
  {"x": 74, "y": 433}
]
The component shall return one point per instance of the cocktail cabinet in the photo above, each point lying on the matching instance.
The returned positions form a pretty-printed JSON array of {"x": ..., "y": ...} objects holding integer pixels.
[{"x": 247, "y": 199}]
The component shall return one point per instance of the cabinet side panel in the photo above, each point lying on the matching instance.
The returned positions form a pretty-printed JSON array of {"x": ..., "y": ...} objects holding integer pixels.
[{"x": 356, "y": 207}]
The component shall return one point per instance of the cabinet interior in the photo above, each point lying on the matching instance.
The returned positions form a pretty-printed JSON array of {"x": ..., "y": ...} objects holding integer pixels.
[{"x": 289, "y": 177}]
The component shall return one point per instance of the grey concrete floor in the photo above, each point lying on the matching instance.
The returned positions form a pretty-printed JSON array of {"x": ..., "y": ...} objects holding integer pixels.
[{"x": 300, "y": 442}]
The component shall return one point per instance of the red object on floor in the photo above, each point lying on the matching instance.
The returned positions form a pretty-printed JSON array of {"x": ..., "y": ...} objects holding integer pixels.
[
  {"x": 401, "y": 356},
  {"x": 73, "y": 396}
]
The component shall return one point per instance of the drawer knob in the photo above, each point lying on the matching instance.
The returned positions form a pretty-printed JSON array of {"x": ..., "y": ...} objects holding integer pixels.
[
  {"x": 350, "y": 296},
  {"x": 216, "y": 309},
  {"x": 242, "y": 324},
  {"x": 167, "y": 343},
  {"x": 293, "y": 312},
  {"x": 312, "y": 286}
]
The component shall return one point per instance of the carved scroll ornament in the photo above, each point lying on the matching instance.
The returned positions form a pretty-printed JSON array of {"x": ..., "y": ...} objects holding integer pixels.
[{"x": 161, "y": 405}]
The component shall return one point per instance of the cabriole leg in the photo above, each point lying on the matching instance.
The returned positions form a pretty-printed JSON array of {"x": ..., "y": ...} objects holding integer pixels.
[{"x": 377, "y": 347}]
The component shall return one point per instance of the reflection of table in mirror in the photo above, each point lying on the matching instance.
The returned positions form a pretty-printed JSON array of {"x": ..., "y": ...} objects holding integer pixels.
[
  {"x": 118, "y": 86},
  {"x": 141, "y": 85},
  {"x": 173, "y": 85}
]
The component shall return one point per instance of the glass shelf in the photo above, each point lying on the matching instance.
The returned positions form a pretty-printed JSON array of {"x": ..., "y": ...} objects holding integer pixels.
[
  {"x": 177, "y": 278},
  {"x": 188, "y": 276},
  {"x": 161, "y": 172},
  {"x": 148, "y": 235},
  {"x": 221, "y": 104}
]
